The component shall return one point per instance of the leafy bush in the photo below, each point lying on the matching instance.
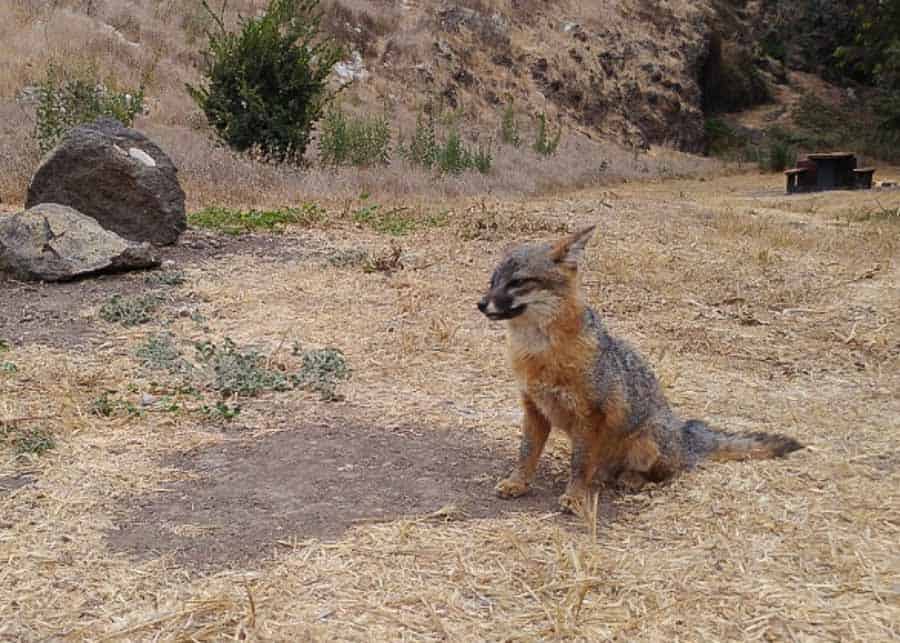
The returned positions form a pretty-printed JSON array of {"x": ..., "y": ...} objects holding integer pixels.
[
  {"x": 778, "y": 155},
  {"x": 546, "y": 144},
  {"x": 67, "y": 99},
  {"x": 422, "y": 148},
  {"x": 347, "y": 140},
  {"x": 450, "y": 155},
  {"x": 509, "y": 127},
  {"x": 267, "y": 82}
]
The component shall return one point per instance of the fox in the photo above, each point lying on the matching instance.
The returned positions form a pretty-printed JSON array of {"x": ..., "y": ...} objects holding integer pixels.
[{"x": 572, "y": 374}]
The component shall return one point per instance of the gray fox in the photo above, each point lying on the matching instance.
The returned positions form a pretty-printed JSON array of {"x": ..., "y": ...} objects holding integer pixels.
[{"x": 575, "y": 376}]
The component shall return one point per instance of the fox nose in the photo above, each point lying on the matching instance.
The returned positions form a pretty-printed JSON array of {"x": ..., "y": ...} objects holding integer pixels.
[{"x": 482, "y": 305}]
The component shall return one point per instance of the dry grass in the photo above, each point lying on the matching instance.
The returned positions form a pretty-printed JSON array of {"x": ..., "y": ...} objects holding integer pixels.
[{"x": 759, "y": 312}]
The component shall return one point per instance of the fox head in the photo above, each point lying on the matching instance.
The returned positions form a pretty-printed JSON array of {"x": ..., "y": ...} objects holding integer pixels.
[{"x": 534, "y": 279}]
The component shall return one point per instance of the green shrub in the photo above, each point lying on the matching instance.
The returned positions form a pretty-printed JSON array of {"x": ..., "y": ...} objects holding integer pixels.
[
  {"x": 509, "y": 127},
  {"x": 67, "y": 99},
  {"x": 778, "y": 155},
  {"x": 266, "y": 84},
  {"x": 545, "y": 143},
  {"x": 347, "y": 140},
  {"x": 422, "y": 149}
]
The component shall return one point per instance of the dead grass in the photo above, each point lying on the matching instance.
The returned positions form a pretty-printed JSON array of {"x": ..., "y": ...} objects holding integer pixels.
[{"x": 805, "y": 343}]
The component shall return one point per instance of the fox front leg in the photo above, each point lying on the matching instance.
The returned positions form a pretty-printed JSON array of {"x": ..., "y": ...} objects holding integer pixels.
[
  {"x": 535, "y": 429},
  {"x": 583, "y": 467}
]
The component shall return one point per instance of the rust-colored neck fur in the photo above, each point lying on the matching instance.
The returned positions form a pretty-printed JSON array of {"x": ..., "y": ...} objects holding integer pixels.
[{"x": 534, "y": 333}]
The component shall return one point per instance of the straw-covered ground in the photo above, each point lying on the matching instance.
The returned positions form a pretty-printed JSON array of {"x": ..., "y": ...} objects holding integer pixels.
[{"x": 327, "y": 474}]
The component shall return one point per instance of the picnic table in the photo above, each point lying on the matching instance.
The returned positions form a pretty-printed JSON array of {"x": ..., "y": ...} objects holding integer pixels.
[{"x": 828, "y": 171}]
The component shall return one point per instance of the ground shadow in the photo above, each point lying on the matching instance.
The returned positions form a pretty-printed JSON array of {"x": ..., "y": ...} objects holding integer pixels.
[{"x": 318, "y": 481}]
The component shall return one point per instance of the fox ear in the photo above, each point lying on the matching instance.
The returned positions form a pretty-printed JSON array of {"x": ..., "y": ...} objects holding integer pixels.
[{"x": 569, "y": 250}]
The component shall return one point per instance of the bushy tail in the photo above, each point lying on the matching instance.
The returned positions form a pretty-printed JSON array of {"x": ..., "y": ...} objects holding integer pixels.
[{"x": 703, "y": 441}]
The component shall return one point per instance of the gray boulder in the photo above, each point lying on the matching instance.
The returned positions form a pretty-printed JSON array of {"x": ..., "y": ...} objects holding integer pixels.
[
  {"x": 116, "y": 175},
  {"x": 52, "y": 242}
]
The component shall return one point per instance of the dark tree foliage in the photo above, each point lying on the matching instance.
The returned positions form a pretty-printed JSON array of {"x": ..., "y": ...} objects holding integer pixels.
[{"x": 266, "y": 83}]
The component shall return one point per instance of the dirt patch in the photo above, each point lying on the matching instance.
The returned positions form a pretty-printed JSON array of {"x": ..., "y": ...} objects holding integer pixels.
[
  {"x": 318, "y": 481},
  {"x": 51, "y": 313}
]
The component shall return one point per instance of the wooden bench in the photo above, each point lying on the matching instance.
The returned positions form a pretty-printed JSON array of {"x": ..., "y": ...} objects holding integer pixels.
[
  {"x": 794, "y": 177},
  {"x": 862, "y": 178}
]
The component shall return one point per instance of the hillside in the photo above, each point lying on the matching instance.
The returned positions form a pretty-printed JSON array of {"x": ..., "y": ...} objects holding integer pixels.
[
  {"x": 634, "y": 87},
  {"x": 619, "y": 78}
]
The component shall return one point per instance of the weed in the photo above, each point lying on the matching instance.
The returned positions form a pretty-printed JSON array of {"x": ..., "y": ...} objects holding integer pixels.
[
  {"x": 422, "y": 149},
  {"x": 394, "y": 221},
  {"x": 778, "y": 156},
  {"x": 159, "y": 352},
  {"x": 236, "y": 222},
  {"x": 387, "y": 261},
  {"x": 222, "y": 411},
  {"x": 103, "y": 406},
  {"x": 509, "y": 127},
  {"x": 450, "y": 156},
  {"x": 346, "y": 140},
  {"x": 8, "y": 367},
  {"x": 34, "y": 441},
  {"x": 546, "y": 143},
  {"x": 4, "y": 346},
  {"x": 67, "y": 99},
  {"x": 129, "y": 311},
  {"x": 236, "y": 372},
  {"x": 320, "y": 371},
  {"x": 165, "y": 278}
]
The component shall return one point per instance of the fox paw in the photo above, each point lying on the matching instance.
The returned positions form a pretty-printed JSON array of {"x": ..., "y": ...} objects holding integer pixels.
[
  {"x": 571, "y": 504},
  {"x": 511, "y": 488}
]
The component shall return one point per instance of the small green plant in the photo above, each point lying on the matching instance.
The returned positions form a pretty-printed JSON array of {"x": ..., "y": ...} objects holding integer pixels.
[
  {"x": 35, "y": 441},
  {"x": 222, "y": 411},
  {"x": 509, "y": 127},
  {"x": 546, "y": 143},
  {"x": 67, "y": 99},
  {"x": 165, "y": 278},
  {"x": 423, "y": 148},
  {"x": 235, "y": 222},
  {"x": 240, "y": 372},
  {"x": 103, "y": 406},
  {"x": 395, "y": 221},
  {"x": 4, "y": 346},
  {"x": 8, "y": 367},
  {"x": 778, "y": 154},
  {"x": 320, "y": 371},
  {"x": 159, "y": 352},
  {"x": 130, "y": 311},
  {"x": 347, "y": 140},
  {"x": 266, "y": 84}
]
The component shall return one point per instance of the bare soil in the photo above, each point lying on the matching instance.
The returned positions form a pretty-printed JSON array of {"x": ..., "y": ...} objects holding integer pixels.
[{"x": 316, "y": 481}]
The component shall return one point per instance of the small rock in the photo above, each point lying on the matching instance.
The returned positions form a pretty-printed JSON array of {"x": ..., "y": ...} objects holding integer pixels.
[
  {"x": 148, "y": 400},
  {"x": 52, "y": 242}
]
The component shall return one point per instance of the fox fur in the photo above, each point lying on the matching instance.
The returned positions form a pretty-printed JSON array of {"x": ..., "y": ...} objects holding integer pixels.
[{"x": 575, "y": 376}]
